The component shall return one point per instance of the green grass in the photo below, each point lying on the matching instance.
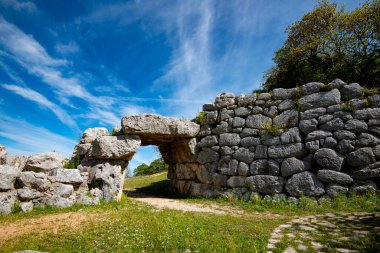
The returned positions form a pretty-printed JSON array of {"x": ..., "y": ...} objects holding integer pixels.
[
  {"x": 135, "y": 227},
  {"x": 143, "y": 181},
  {"x": 130, "y": 226},
  {"x": 200, "y": 118},
  {"x": 369, "y": 91},
  {"x": 159, "y": 185},
  {"x": 271, "y": 129},
  {"x": 348, "y": 107}
]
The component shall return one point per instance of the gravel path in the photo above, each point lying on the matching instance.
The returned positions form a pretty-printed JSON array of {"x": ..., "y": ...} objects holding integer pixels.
[
  {"x": 181, "y": 205},
  {"x": 342, "y": 232}
]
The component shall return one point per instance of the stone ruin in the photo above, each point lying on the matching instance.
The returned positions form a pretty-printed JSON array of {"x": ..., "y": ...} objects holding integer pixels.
[{"x": 315, "y": 140}]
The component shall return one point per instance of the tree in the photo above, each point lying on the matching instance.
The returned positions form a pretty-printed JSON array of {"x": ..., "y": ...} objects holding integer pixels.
[
  {"x": 329, "y": 43},
  {"x": 155, "y": 166}
]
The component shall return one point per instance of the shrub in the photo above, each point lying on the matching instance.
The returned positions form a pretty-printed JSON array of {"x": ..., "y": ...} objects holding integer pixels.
[
  {"x": 348, "y": 107},
  {"x": 116, "y": 131},
  {"x": 271, "y": 129},
  {"x": 200, "y": 118},
  {"x": 298, "y": 106},
  {"x": 366, "y": 103},
  {"x": 16, "y": 208},
  {"x": 369, "y": 91},
  {"x": 156, "y": 166},
  {"x": 326, "y": 87},
  {"x": 72, "y": 163}
]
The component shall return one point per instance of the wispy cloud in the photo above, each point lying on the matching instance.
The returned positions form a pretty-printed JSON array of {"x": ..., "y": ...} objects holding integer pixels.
[
  {"x": 67, "y": 48},
  {"x": 19, "y": 5},
  {"x": 30, "y": 139},
  {"x": 41, "y": 100},
  {"x": 27, "y": 52}
]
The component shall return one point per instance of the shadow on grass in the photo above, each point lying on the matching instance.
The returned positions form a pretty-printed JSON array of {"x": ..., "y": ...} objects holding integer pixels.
[{"x": 160, "y": 189}]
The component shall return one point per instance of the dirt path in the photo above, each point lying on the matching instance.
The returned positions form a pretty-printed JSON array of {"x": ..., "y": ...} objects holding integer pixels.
[
  {"x": 45, "y": 224},
  {"x": 179, "y": 205}
]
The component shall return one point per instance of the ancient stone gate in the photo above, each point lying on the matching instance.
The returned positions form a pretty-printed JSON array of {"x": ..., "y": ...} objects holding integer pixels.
[{"x": 317, "y": 140}]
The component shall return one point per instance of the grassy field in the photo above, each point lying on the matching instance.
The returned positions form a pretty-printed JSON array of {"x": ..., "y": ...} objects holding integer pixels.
[{"x": 130, "y": 226}]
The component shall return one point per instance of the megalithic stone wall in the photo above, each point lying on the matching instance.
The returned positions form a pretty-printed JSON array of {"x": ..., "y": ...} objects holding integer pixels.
[
  {"x": 316, "y": 140},
  {"x": 312, "y": 140},
  {"x": 41, "y": 179}
]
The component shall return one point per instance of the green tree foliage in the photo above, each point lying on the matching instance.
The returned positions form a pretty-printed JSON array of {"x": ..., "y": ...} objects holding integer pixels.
[
  {"x": 329, "y": 43},
  {"x": 156, "y": 166}
]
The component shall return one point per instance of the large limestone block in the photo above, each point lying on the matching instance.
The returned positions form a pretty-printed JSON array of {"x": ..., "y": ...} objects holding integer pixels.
[
  {"x": 330, "y": 176},
  {"x": 68, "y": 176},
  {"x": 360, "y": 157},
  {"x": 292, "y": 166},
  {"x": 107, "y": 176},
  {"x": 154, "y": 128},
  {"x": 7, "y": 200},
  {"x": 63, "y": 190},
  {"x": 350, "y": 91},
  {"x": 265, "y": 167},
  {"x": 15, "y": 160},
  {"x": 8, "y": 176},
  {"x": 297, "y": 150},
  {"x": 334, "y": 190},
  {"x": 304, "y": 183},
  {"x": 44, "y": 162},
  {"x": 321, "y": 99},
  {"x": 91, "y": 134},
  {"x": 26, "y": 194},
  {"x": 56, "y": 201},
  {"x": 180, "y": 151},
  {"x": 367, "y": 172},
  {"x": 265, "y": 184},
  {"x": 329, "y": 159},
  {"x": 367, "y": 114},
  {"x": 35, "y": 180},
  {"x": 121, "y": 147}
]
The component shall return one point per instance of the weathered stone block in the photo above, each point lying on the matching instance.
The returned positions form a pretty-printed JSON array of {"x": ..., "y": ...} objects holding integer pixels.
[
  {"x": 121, "y": 147},
  {"x": 297, "y": 150},
  {"x": 304, "y": 183},
  {"x": 265, "y": 184}
]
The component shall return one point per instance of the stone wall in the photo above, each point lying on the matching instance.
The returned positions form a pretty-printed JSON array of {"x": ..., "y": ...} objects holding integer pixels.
[
  {"x": 314, "y": 140},
  {"x": 41, "y": 179}
]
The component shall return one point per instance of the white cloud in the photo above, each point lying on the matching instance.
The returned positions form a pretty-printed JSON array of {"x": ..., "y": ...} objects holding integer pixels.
[
  {"x": 38, "y": 98},
  {"x": 33, "y": 57},
  {"x": 28, "y": 138},
  {"x": 68, "y": 48},
  {"x": 24, "y": 47},
  {"x": 19, "y": 5},
  {"x": 103, "y": 117},
  {"x": 131, "y": 109},
  {"x": 27, "y": 52}
]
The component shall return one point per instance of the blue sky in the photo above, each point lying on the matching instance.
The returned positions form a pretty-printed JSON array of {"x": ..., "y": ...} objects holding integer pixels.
[{"x": 69, "y": 65}]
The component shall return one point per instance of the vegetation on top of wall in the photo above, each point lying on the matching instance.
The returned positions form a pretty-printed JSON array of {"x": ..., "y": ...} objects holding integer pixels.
[
  {"x": 157, "y": 165},
  {"x": 369, "y": 91},
  {"x": 200, "y": 117},
  {"x": 271, "y": 129},
  {"x": 348, "y": 107},
  {"x": 72, "y": 163},
  {"x": 326, "y": 87},
  {"x": 116, "y": 131},
  {"x": 327, "y": 43}
]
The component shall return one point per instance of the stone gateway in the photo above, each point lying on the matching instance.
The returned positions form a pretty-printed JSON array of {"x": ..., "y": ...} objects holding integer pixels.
[{"x": 315, "y": 140}]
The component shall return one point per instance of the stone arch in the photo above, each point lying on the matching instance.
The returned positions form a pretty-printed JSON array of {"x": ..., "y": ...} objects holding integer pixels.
[{"x": 176, "y": 140}]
